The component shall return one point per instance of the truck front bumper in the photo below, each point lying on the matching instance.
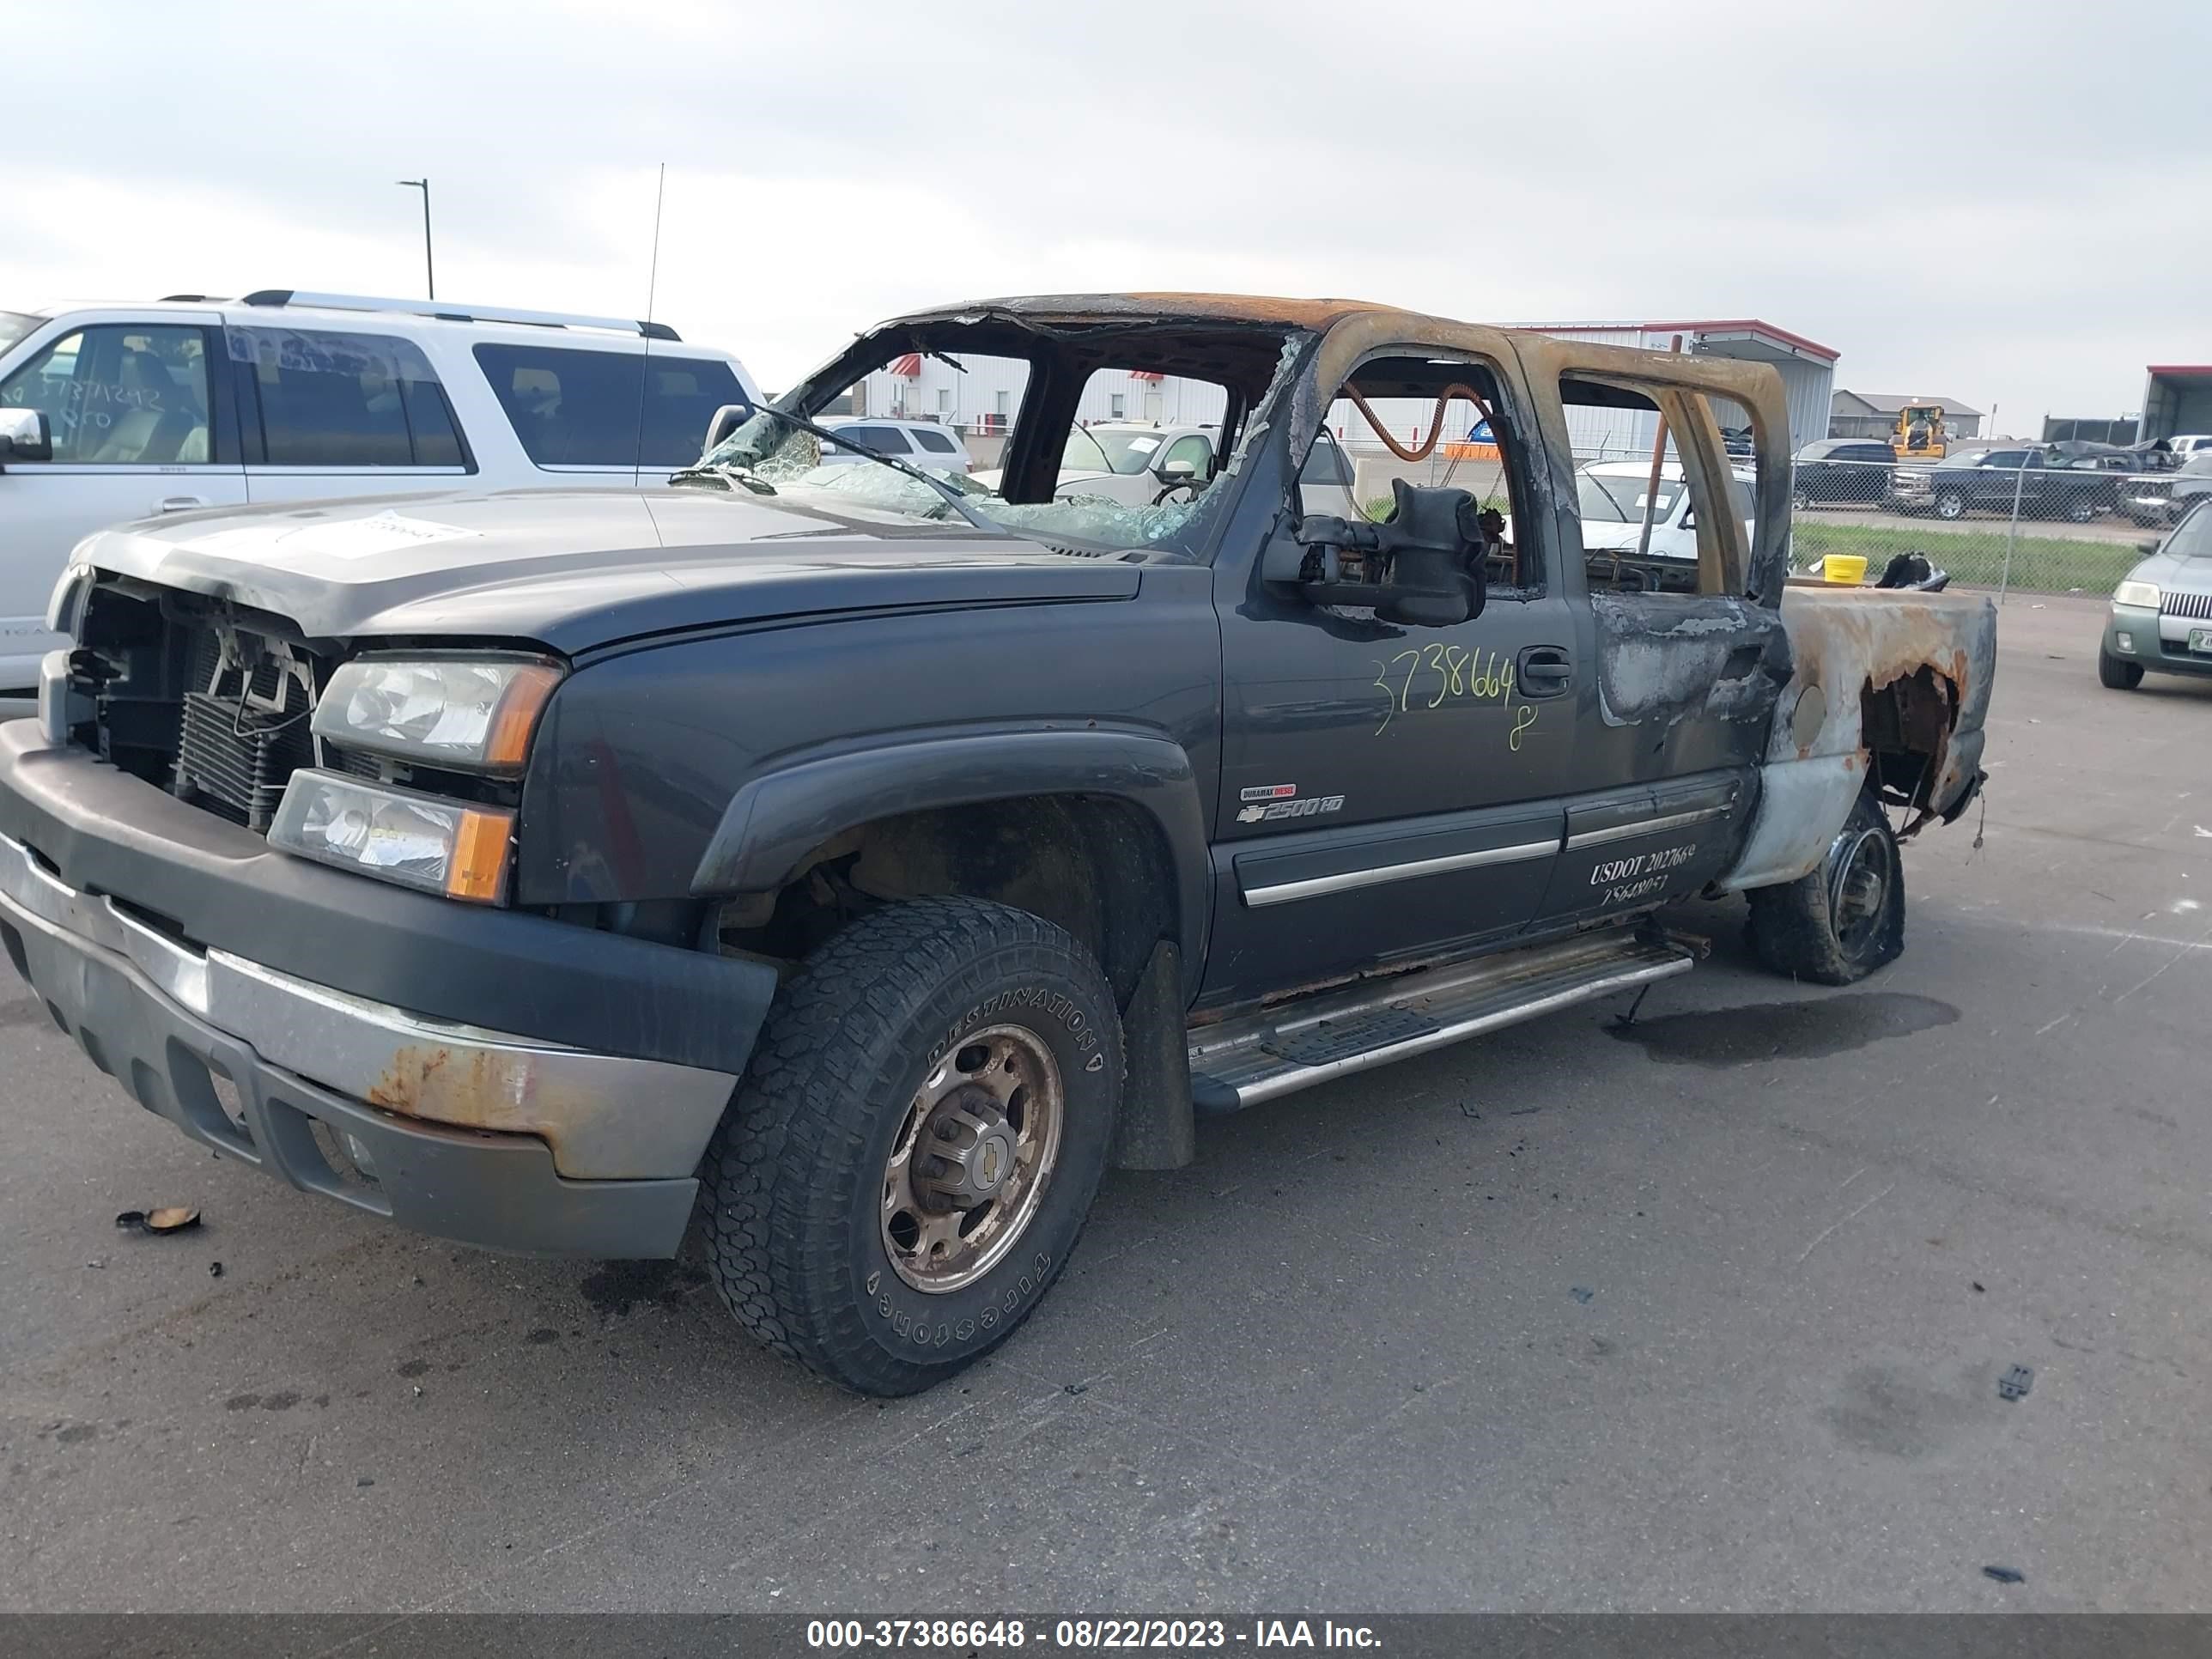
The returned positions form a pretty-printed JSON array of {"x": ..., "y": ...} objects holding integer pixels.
[{"x": 505, "y": 1136}]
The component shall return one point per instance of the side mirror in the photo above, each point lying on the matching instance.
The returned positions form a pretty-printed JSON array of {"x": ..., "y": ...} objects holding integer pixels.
[
  {"x": 2146, "y": 547},
  {"x": 1178, "y": 472},
  {"x": 728, "y": 419},
  {"x": 24, "y": 435},
  {"x": 1422, "y": 567}
]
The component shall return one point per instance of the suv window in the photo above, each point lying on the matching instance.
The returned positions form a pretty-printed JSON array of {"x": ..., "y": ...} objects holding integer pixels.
[
  {"x": 1866, "y": 453},
  {"x": 1327, "y": 464},
  {"x": 936, "y": 441},
  {"x": 344, "y": 399},
  {"x": 883, "y": 439},
  {"x": 121, "y": 394},
  {"x": 579, "y": 408}
]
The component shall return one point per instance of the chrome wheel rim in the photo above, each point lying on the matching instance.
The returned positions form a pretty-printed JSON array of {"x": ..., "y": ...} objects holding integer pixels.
[
  {"x": 1861, "y": 872},
  {"x": 972, "y": 1158},
  {"x": 1950, "y": 506}
]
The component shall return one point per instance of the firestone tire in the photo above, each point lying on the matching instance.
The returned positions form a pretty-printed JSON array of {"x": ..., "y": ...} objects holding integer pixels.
[
  {"x": 2115, "y": 675},
  {"x": 796, "y": 1185},
  {"x": 1846, "y": 919}
]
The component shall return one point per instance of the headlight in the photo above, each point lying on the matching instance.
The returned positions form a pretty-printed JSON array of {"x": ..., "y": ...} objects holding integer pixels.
[
  {"x": 472, "y": 714},
  {"x": 2142, "y": 593},
  {"x": 446, "y": 847}
]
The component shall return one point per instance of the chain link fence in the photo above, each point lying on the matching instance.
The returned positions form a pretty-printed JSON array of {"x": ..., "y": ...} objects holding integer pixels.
[
  {"x": 2048, "y": 526},
  {"x": 2044, "y": 527}
]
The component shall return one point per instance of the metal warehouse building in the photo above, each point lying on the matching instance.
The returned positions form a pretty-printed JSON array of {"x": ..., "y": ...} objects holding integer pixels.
[
  {"x": 2176, "y": 398},
  {"x": 1807, "y": 370}
]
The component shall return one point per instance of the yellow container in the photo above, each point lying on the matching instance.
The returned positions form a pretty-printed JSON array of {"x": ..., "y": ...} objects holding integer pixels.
[{"x": 1848, "y": 569}]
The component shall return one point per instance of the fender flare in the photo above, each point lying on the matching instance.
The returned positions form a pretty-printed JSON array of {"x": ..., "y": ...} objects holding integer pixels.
[{"x": 776, "y": 818}]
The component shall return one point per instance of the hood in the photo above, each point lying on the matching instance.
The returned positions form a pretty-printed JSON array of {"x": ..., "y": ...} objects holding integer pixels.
[
  {"x": 2182, "y": 575},
  {"x": 576, "y": 568}
]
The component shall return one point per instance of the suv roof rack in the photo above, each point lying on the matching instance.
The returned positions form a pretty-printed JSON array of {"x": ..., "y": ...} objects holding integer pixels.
[
  {"x": 293, "y": 296},
  {"x": 190, "y": 299}
]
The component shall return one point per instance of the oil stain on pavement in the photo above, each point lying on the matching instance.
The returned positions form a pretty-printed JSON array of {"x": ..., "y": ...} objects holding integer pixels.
[{"x": 1810, "y": 1029}]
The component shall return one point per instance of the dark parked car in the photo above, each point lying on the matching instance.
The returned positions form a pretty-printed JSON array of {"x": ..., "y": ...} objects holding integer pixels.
[
  {"x": 1835, "y": 471},
  {"x": 2046, "y": 484}
]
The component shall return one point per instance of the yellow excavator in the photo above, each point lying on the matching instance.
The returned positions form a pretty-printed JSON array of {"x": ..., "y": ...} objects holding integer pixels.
[{"x": 1920, "y": 435}]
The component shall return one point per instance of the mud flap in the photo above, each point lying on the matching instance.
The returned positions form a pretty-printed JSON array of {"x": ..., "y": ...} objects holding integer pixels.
[{"x": 1157, "y": 1130}]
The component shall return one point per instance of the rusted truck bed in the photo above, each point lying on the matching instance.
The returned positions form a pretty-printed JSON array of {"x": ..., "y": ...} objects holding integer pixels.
[{"x": 1895, "y": 680}]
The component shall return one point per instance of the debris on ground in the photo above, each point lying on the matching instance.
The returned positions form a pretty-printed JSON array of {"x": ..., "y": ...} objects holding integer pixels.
[
  {"x": 1978, "y": 1285},
  {"x": 2015, "y": 1383},
  {"x": 2005, "y": 1574},
  {"x": 169, "y": 1219},
  {"x": 215, "y": 1270},
  {"x": 1582, "y": 1292},
  {"x": 1075, "y": 1388}
]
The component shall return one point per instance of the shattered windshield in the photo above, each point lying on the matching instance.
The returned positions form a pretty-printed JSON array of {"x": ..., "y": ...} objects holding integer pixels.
[
  {"x": 1100, "y": 449},
  {"x": 770, "y": 456}
]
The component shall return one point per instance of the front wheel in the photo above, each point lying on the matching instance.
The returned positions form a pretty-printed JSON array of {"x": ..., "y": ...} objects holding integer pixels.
[
  {"x": 1950, "y": 505},
  {"x": 2115, "y": 674},
  {"x": 1846, "y": 919},
  {"x": 913, "y": 1152},
  {"x": 2080, "y": 509}
]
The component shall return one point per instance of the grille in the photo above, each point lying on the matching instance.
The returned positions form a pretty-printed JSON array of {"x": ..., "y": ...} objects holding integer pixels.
[
  {"x": 245, "y": 730},
  {"x": 2198, "y": 606}
]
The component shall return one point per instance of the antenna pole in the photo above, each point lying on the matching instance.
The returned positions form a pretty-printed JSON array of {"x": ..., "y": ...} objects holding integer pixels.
[
  {"x": 645, "y": 361},
  {"x": 652, "y": 275},
  {"x": 430, "y": 270}
]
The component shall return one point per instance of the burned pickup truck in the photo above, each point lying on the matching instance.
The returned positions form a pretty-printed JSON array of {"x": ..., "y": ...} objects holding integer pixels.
[{"x": 864, "y": 860}]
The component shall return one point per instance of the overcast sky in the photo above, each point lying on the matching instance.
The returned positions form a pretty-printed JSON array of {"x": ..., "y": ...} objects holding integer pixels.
[{"x": 2007, "y": 205}]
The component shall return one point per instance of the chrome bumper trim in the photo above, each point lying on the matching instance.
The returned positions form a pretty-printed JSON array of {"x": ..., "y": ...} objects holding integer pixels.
[{"x": 605, "y": 1117}]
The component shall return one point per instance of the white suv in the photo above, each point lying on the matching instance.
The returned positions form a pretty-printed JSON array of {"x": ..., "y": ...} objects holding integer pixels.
[
  {"x": 924, "y": 443},
  {"x": 110, "y": 413}
]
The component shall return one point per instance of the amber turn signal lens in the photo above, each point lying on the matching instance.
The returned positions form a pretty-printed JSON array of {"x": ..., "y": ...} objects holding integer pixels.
[
  {"x": 516, "y": 717},
  {"x": 478, "y": 867}
]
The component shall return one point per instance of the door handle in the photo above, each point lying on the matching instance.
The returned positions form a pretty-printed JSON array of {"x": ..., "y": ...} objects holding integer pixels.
[
  {"x": 1543, "y": 671},
  {"x": 181, "y": 503}
]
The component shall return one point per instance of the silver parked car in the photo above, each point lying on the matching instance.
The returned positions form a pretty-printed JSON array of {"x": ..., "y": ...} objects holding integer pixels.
[
  {"x": 2161, "y": 615},
  {"x": 2160, "y": 498}
]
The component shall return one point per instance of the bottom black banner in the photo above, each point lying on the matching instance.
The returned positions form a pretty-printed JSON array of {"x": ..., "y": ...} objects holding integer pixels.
[{"x": 743, "y": 1636}]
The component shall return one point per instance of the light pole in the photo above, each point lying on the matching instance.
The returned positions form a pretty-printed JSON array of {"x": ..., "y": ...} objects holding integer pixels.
[{"x": 429, "y": 270}]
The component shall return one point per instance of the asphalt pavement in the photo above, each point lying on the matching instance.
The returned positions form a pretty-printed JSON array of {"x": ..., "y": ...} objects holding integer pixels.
[{"x": 1712, "y": 1315}]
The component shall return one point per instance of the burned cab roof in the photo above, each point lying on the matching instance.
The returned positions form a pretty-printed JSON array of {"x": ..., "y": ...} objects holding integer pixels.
[
  {"x": 1231, "y": 339},
  {"x": 1257, "y": 310}
]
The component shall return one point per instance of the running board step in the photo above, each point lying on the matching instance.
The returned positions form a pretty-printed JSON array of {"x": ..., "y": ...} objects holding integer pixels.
[{"x": 1256, "y": 1057}]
